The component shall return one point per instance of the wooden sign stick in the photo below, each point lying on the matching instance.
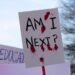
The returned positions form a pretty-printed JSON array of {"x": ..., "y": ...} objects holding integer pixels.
[
  {"x": 43, "y": 70},
  {"x": 43, "y": 67}
]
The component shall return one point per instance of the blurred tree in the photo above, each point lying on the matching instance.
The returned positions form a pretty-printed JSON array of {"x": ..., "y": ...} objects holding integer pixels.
[{"x": 67, "y": 13}]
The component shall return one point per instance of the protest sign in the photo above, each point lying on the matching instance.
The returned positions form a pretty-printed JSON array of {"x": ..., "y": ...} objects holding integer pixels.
[
  {"x": 41, "y": 37},
  {"x": 11, "y": 54}
]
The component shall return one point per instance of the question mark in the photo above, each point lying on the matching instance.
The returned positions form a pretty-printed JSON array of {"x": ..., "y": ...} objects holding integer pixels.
[{"x": 55, "y": 37}]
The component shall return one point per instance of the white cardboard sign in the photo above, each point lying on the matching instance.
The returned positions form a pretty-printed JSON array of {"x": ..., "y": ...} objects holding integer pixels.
[
  {"x": 11, "y": 55},
  {"x": 41, "y": 37}
]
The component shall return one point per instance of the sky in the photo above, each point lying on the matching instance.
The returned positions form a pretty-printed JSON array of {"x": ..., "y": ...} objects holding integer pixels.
[{"x": 10, "y": 33}]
